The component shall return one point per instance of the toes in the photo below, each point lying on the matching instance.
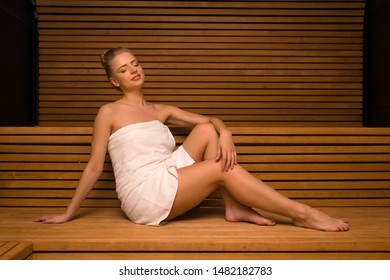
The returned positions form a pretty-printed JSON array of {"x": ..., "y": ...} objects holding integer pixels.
[
  {"x": 344, "y": 226},
  {"x": 269, "y": 223}
]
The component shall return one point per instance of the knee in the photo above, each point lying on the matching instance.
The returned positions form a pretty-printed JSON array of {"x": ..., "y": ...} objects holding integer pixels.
[{"x": 206, "y": 130}]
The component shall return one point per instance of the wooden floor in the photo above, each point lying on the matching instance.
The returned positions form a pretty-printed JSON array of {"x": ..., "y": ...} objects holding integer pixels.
[{"x": 201, "y": 234}]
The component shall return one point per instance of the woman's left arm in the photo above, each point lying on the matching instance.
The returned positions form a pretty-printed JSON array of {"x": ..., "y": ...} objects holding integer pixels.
[{"x": 226, "y": 151}]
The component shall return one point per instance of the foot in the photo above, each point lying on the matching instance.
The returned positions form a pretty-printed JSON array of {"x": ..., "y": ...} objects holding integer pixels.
[
  {"x": 243, "y": 213},
  {"x": 315, "y": 219}
]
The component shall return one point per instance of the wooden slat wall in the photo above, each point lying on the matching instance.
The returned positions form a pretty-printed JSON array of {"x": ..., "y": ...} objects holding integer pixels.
[
  {"x": 40, "y": 166},
  {"x": 252, "y": 63}
]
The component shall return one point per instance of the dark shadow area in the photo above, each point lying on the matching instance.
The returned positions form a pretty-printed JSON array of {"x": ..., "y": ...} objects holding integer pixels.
[
  {"x": 18, "y": 48},
  {"x": 377, "y": 64}
]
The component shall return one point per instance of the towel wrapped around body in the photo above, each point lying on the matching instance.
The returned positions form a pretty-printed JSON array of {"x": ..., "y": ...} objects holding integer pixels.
[{"x": 145, "y": 168}]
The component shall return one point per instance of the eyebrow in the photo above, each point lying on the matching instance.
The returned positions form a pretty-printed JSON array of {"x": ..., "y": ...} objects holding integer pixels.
[{"x": 126, "y": 64}]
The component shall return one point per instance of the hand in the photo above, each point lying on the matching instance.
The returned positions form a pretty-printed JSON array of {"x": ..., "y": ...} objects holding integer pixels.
[
  {"x": 226, "y": 151},
  {"x": 53, "y": 219}
]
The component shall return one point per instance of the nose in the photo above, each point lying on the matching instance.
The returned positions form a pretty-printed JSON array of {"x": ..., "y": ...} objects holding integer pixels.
[{"x": 133, "y": 69}]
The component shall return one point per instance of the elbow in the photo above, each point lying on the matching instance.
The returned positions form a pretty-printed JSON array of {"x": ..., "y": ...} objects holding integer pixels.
[
  {"x": 98, "y": 170},
  {"x": 95, "y": 168}
]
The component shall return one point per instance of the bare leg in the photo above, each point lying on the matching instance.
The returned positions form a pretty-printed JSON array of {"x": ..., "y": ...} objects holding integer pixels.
[
  {"x": 202, "y": 144},
  {"x": 237, "y": 212},
  {"x": 247, "y": 190}
]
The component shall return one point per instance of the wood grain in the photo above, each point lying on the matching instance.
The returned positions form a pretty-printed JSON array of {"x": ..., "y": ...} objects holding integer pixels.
[
  {"x": 40, "y": 166},
  {"x": 256, "y": 63}
]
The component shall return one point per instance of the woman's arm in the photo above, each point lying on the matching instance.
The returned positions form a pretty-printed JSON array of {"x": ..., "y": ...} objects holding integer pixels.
[
  {"x": 226, "y": 152},
  {"x": 92, "y": 171}
]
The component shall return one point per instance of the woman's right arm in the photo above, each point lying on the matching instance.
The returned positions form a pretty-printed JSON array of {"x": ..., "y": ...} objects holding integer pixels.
[{"x": 93, "y": 169}]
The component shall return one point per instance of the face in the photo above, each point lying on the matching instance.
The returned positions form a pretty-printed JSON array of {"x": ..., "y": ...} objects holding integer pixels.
[{"x": 126, "y": 72}]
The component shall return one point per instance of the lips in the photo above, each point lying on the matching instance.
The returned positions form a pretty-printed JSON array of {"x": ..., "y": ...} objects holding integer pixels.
[{"x": 136, "y": 78}]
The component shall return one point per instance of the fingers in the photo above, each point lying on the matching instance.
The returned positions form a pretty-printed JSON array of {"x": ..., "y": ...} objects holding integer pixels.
[
  {"x": 49, "y": 219},
  {"x": 233, "y": 160},
  {"x": 228, "y": 159},
  {"x": 44, "y": 219},
  {"x": 218, "y": 157},
  {"x": 40, "y": 219},
  {"x": 226, "y": 153}
]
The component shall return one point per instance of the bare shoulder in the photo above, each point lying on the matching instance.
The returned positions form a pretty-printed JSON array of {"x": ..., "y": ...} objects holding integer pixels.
[
  {"x": 163, "y": 111},
  {"x": 105, "y": 116},
  {"x": 160, "y": 106},
  {"x": 106, "y": 109},
  {"x": 164, "y": 108}
]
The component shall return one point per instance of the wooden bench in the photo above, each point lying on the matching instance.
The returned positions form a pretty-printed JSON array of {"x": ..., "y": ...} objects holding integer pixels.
[
  {"x": 257, "y": 64},
  {"x": 345, "y": 171},
  {"x": 15, "y": 250}
]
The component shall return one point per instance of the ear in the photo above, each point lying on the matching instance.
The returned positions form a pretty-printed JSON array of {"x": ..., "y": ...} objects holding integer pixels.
[{"x": 114, "y": 82}]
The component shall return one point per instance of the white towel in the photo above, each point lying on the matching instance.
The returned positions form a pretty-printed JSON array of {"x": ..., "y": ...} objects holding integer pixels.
[{"x": 145, "y": 163}]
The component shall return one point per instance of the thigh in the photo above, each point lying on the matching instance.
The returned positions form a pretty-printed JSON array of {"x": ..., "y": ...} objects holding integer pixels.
[
  {"x": 196, "y": 182},
  {"x": 202, "y": 142}
]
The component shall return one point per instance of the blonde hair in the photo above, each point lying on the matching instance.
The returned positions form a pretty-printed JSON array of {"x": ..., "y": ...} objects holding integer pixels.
[{"x": 108, "y": 56}]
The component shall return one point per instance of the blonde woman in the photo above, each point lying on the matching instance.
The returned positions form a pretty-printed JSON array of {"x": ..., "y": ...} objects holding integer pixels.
[{"x": 156, "y": 183}]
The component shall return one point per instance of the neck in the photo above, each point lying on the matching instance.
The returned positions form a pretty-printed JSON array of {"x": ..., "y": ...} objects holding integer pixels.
[{"x": 133, "y": 99}]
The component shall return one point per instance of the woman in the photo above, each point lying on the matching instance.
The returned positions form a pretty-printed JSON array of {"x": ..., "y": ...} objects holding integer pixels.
[{"x": 156, "y": 184}]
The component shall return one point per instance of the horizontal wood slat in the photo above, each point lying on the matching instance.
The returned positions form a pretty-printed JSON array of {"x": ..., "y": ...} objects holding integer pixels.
[
  {"x": 40, "y": 166},
  {"x": 277, "y": 61}
]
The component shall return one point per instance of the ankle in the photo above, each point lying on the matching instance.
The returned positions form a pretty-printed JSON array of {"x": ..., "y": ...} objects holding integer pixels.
[{"x": 302, "y": 213}]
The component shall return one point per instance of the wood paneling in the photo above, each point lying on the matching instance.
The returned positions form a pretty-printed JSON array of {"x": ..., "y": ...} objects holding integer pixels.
[
  {"x": 40, "y": 166},
  {"x": 252, "y": 63}
]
